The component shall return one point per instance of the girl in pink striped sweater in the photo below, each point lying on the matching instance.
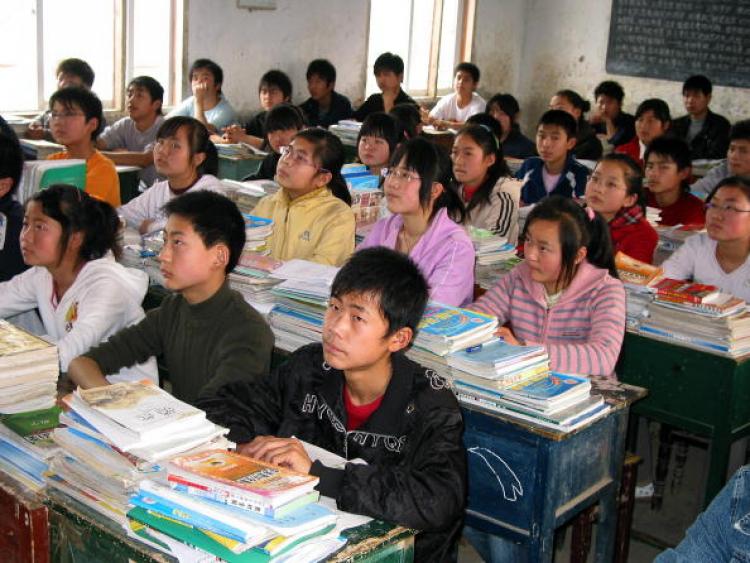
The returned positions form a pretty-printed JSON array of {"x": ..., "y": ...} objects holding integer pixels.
[{"x": 566, "y": 294}]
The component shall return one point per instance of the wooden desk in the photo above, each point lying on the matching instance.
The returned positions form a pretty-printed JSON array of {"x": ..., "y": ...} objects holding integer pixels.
[
  {"x": 525, "y": 481},
  {"x": 702, "y": 393},
  {"x": 23, "y": 524},
  {"x": 237, "y": 168}
]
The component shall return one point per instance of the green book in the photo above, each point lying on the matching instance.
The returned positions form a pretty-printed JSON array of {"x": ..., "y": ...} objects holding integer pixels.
[
  {"x": 74, "y": 174},
  {"x": 34, "y": 430}
]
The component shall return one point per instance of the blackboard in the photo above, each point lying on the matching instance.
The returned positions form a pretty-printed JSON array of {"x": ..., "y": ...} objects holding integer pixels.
[{"x": 673, "y": 39}]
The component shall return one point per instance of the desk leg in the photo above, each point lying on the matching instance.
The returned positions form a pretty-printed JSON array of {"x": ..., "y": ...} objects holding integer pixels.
[
  {"x": 662, "y": 465},
  {"x": 721, "y": 444},
  {"x": 607, "y": 528}
]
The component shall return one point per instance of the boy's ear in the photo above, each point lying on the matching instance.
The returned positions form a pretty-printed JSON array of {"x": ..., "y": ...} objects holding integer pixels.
[
  {"x": 685, "y": 173},
  {"x": 400, "y": 339},
  {"x": 220, "y": 256},
  {"x": 6, "y": 184},
  {"x": 571, "y": 144}
]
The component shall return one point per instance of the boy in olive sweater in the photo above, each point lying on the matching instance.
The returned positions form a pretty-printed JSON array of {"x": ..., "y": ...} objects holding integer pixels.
[{"x": 207, "y": 334}]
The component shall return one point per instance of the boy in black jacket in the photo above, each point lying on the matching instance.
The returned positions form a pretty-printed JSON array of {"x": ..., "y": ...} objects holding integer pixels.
[{"x": 359, "y": 397}]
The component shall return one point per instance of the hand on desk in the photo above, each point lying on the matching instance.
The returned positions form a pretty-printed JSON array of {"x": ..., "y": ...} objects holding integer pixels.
[
  {"x": 35, "y": 131},
  {"x": 506, "y": 334},
  {"x": 234, "y": 134},
  {"x": 286, "y": 452}
]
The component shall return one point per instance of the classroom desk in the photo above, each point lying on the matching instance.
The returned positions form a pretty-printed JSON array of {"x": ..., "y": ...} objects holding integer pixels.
[
  {"x": 526, "y": 481},
  {"x": 702, "y": 393},
  {"x": 79, "y": 534},
  {"x": 23, "y": 523},
  {"x": 234, "y": 168}
]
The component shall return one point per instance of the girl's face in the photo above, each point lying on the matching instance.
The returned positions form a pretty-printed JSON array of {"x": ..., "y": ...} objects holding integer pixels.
[
  {"x": 401, "y": 189},
  {"x": 648, "y": 127},
  {"x": 172, "y": 155},
  {"x": 40, "y": 237},
  {"x": 373, "y": 151},
  {"x": 607, "y": 189},
  {"x": 563, "y": 103},
  {"x": 728, "y": 217},
  {"x": 543, "y": 252},
  {"x": 470, "y": 164},
  {"x": 505, "y": 121},
  {"x": 297, "y": 170}
]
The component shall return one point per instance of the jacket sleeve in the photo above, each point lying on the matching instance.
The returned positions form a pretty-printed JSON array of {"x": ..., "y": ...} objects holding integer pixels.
[
  {"x": 18, "y": 294},
  {"x": 452, "y": 280},
  {"x": 426, "y": 490},
  {"x": 337, "y": 241},
  {"x": 703, "y": 187},
  {"x": 137, "y": 210},
  {"x": 681, "y": 265},
  {"x": 496, "y": 301}
]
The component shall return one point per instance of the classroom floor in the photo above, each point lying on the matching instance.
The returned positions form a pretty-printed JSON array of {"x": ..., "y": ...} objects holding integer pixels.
[{"x": 680, "y": 508}]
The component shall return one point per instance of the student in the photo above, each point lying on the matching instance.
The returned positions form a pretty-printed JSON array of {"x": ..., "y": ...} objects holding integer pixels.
[
  {"x": 76, "y": 120},
  {"x": 389, "y": 74},
  {"x": 615, "y": 191},
  {"x": 358, "y": 396},
  {"x": 720, "y": 255},
  {"x": 284, "y": 121},
  {"x": 83, "y": 296},
  {"x": 588, "y": 146},
  {"x": 207, "y": 104},
  {"x": 454, "y": 109},
  {"x": 668, "y": 168},
  {"x": 325, "y": 106},
  {"x": 69, "y": 72},
  {"x": 130, "y": 140},
  {"x": 408, "y": 118},
  {"x": 312, "y": 216},
  {"x": 652, "y": 120},
  {"x": 11, "y": 211},
  {"x": 274, "y": 88},
  {"x": 706, "y": 132},
  {"x": 377, "y": 139},
  {"x": 421, "y": 196},
  {"x": 206, "y": 333},
  {"x": 609, "y": 120},
  {"x": 555, "y": 170},
  {"x": 505, "y": 109},
  {"x": 737, "y": 162},
  {"x": 487, "y": 188},
  {"x": 185, "y": 156}
]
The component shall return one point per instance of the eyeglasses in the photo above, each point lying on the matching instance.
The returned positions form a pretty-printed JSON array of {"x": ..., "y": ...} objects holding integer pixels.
[
  {"x": 295, "y": 156},
  {"x": 598, "y": 181},
  {"x": 64, "y": 115},
  {"x": 399, "y": 174},
  {"x": 729, "y": 209},
  {"x": 167, "y": 145}
]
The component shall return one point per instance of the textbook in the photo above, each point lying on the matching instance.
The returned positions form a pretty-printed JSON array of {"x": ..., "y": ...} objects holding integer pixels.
[
  {"x": 31, "y": 433},
  {"x": 679, "y": 291},
  {"x": 636, "y": 275},
  {"x": 721, "y": 305},
  {"x": 39, "y": 174},
  {"x": 547, "y": 391},
  {"x": 494, "y": 355},
  {"x": 446, "y": 329}
]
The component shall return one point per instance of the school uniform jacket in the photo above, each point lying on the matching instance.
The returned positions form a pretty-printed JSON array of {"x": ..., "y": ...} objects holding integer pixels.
[
  {"x": 500, "y": 215},
  {"x": 416, "y": 463},
  {"x": 572, "y": 181},
  {"x": 317, "y": 226},
  {"x": 712, "y": 141}
]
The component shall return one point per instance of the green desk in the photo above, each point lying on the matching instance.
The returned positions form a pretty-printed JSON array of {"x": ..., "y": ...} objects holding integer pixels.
[
  {"x": 237, "y": 168},
  {"x": 702, "y": 393}
]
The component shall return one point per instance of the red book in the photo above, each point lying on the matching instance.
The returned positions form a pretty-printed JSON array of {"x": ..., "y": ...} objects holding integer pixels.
[{"x": 680, "y": 291}]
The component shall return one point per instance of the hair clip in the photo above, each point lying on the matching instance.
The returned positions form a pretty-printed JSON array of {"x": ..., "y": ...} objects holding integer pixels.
[{"x": 589, "y": 213}]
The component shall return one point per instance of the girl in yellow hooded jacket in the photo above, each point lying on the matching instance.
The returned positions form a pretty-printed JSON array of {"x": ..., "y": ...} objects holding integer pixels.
[{"x": 312, "y": 217}]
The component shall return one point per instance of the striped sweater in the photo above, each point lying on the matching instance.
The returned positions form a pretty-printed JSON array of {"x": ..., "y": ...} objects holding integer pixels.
[{"x": 582, "y": 332}]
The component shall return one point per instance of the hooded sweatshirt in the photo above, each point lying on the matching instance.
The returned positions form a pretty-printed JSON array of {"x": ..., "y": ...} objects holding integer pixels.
[
  {"x": 582, "y": 332},
  {"x": 149, "y": 204},
  {"x": 104, "y": 298}
]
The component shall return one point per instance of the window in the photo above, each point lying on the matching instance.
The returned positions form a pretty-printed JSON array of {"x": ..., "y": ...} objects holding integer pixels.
[
  {"x": 432, "y": 36},
  {"x": 120, "y": 39}
]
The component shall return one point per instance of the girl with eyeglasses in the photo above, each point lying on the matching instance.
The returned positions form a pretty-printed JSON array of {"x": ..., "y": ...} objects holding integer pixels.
[
  {"x": 615, "y": 191},
  {"x": 83, "y": 295},
  {"x": 186, "y": 157},
  {"x": 420, "y": 194},
  {"x": 312, "y": 214},
  {"x": 721, "y": 255}
]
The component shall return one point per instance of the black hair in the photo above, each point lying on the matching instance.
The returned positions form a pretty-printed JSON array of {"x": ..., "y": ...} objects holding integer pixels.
[
  {"x": 506, "y": 102},
  {"x": 215, "y": 218},
  {"x": 77, "y": 97},
  {"x": 11, "y": 163},
  {"x": 576, "y": 230},
  {"x": 323, "y": 68},
  {"x": 408, "y": 118},
  {"x": 77, "y": 67},
  {"x": 279, "y": 79},
  {"x": 697, "y": 82},
  {"x": 153, "y": 87},
  {"x": 633, "y": 175},
  {"x": 575, "y": 98},
  {"x": 390, "y": 277},
  {"x": 388, "y": 61},
  {"x": 657, "y": 106},
  {"x": 211, "y": 67},
  {"x": 329, "y": 151},
  {"x": 432, "y": 164},
  {"x": 198, "y": 137},
  {"x": 486, "y": 119},
  {"x": 740, "y": 131},
  {"x": 283, "y": 116},
  {"x": 676, "y": 150},
  {"x": 742, "y": 183},
  {"x": 562, "y": 119},
  {"x": 471, "y": 68},
  {"x": 382, "y": 125},
  {"x": 78, "y": 212},
  {"x": 489, "y": 142},
  {"x": 611, "y": 89}
]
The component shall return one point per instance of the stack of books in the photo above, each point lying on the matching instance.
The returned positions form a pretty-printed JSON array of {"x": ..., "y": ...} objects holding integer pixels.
[
  {"x": 490, "y": 248},
  {"x": 347, "y": 130},
  {"x": 26, "y": 445},
  {"x": 445, "y": 329},
  {"x": 237, "y": 150},
  {"x": 637, "y": 278},
  {"x": 257, "y": 231},
  {"x": 29, "y": 368},
  {"x": 672, "y": 238},
  {"x": 233, "y": 507},
  {"x": 487, "y": 276},
  {"x": 367, "y": 196},
  {"x": 252, "y": 277},
  {"x": 38, "y": 174},
  {"x": 247, "y": 194},
  {"x": 116, "y": 436}
]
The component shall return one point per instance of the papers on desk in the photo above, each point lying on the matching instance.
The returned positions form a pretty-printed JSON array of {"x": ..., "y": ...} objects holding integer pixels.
[
  {"x": 305, "y": 271},
  {"x": 41, "y": 147}
]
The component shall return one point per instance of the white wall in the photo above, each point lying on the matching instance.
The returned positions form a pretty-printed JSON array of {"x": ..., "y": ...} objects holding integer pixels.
[{"x": 248, "y": 43}]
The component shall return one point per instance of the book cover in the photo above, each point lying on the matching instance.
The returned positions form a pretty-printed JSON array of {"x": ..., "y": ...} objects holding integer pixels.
[
  {"x": 14, "y": 340},
  {"x": 550, "y": 387},
  {"x": 443, "y": 322},
  {"x": 635, "y": 272},
  {"x": 494, "y": 353},
  {"x": 681, "y": 291}
]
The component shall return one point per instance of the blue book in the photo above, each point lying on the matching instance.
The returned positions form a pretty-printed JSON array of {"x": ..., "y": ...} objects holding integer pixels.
[
  {"x": 441, "y": 321},
  {"x": 297, "y": 314},
  {"x": 253, "y": 222},
  {"x": 21, "y": 460},
  {"x": 368, "y": 181},
  {"x": 551, "y": 388},
  {"x": 494, "y": 353}
]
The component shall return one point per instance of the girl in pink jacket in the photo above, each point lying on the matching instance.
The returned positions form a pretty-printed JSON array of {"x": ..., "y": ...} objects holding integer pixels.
[{"x": 566, "y": 294}]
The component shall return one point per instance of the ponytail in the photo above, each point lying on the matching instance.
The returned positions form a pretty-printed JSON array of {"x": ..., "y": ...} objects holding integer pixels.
[{"x": 329, "y": 152}]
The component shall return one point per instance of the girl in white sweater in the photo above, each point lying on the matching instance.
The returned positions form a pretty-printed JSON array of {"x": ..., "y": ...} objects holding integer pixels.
[{"x": 83, "y": 295}]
